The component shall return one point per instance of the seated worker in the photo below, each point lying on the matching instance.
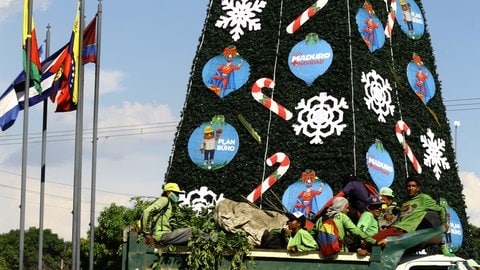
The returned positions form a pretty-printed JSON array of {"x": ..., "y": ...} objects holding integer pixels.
[
  {"x": 338, "y": 211},
  {"x": 419, "y": 212},
  {"x": 390, "y": 209},
  {"x": 155, "y": 221},
  {"x": 355, "y": 191},
  {"x": 368, "y": 222},
  {"x": 298, "y": 239}
]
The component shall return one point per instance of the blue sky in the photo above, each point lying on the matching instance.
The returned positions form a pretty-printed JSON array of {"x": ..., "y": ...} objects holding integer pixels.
[{"x": 147, "y": 53}]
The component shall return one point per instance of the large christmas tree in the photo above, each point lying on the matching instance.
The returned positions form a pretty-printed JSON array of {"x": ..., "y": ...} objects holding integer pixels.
[{"x": 281, "y": 91}]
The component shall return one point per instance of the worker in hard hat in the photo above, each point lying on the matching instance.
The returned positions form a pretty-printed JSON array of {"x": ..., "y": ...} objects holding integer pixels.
[
  {"x": 390, "y": 209},
  {"x": 155, "y": 221}
]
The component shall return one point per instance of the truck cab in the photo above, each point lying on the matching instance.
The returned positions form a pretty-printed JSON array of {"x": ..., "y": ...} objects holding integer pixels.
[{"x": 432, "y": 262}]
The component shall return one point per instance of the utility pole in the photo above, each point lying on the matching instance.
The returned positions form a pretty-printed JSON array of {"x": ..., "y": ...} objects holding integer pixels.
[{"x": 456, "y": 124}]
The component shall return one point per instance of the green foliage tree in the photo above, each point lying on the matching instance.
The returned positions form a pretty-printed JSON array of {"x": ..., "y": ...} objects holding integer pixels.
[
  {"x": 209, "y": 242},
  {"x": 267, "y": 49},
  {"x": 3, "y": 264},
  {"x": 108, "y": 236},
  {"x": 56, "y": 252},
  {"x": 476, "y": 242}
]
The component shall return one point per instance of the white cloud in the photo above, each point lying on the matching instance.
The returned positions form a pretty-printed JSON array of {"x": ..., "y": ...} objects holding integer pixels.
[
  {"x": 134, "y": 113},
  {"x": 110, "y": 80},
  {"x": 471, "y": 186},
  {"x": 4, "y": 4},
  {"x": 131, "y": 164},
  {"x": 42, "y": 4},
  {"x": 12, "y": 7},
  {"x": 8, "y": 8}
]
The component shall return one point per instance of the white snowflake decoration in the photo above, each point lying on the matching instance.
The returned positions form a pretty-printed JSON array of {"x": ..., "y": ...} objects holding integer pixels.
[
  {"x": 241, "y": 14},
  {"x": 377, "y": 95},
  {"x": 320, "y": 117},
  {"x": 199, "y": 199},
  {"x": 434, "y": 153}
]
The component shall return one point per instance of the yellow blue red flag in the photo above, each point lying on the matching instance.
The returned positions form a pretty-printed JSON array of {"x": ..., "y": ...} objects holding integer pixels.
[{"x": 67, "y": 96}]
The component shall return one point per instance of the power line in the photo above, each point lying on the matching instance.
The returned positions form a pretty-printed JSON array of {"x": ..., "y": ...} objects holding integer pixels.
[
  {"x": 64, "y": 198},
  {"x": 47, "y": 194},
  {"x": 68, "y": 135},
  {"x": 103, "y": 133},
  {"x": 69, "y": 185},
  {"x": 464, "y": 109},
  {"x": 461, "y": 99},
  {"x": 103, "y": 129},
  {"x": 464, "y": 104},
  {"x": 460, "y": 102}
]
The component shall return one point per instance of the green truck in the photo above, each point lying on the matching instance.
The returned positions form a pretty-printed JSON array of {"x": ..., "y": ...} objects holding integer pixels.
[{"x": 139, "y": 256}]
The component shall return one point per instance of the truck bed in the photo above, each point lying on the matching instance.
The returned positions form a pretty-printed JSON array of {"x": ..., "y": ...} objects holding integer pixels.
[{"x": 138, "y": 255}]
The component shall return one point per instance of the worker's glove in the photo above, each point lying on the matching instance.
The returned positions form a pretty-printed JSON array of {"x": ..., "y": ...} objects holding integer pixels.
[
  {"x": 149, "y": 240},
  {"x": 447, "y": 226}
]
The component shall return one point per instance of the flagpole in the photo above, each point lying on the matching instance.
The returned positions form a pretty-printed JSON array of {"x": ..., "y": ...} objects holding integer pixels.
[
  {"x": 95, "y": 134},
  {"x": 26, "y": 96},
  {"x": 42, "y": 171},
  {"x": 77, "y": 179}
]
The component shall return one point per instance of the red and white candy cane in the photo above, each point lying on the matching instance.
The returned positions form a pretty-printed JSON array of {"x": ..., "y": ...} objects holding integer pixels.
[
  {"x": 401, "y": 127},
  {"x": 391, "y": 17},
  {"x": 305, "y": 16},
  {"x": 268, "y": 102},
  {"x": 284, "y": 161}
]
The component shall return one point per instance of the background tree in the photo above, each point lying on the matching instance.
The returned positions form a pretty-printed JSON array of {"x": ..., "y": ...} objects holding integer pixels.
[
  {"x": 205, "y": 252},
  {"x": 260, "y": 38},
  {"x": 3, "y": 264},
  {"x": 55, "y": 251},
  {"x": 476, "y": 242},
  {"x": 109, "y": 235}
]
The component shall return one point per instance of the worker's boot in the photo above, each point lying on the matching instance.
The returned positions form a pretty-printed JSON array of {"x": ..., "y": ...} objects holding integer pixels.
[{"x": 446, "y": 251}]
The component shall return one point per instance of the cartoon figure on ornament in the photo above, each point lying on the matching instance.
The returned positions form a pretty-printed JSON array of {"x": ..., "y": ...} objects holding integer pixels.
[
  {"x": 407, "y": 16},
  {"x": 224, "y": 76},
  {"x": 208, "y": 145},
  {"x": 420, "y": 84},
  {"x": 369, "y": 32},
  {"x": 306, "y": 197}
]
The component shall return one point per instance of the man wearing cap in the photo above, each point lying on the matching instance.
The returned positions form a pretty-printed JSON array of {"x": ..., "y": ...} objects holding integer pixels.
[
  {"x": 155, "y": 221},
  {"x": 421, "y": 211},
  {"x": 368, "y": 220},
  {"x": 390, "y": 210},
  {"x": 299, "y": 240}
]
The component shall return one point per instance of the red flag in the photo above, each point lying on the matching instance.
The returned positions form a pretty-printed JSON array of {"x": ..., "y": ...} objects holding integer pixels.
[
  {"x": 35, "y": 66},
  {"x": 89, "y": 53}
]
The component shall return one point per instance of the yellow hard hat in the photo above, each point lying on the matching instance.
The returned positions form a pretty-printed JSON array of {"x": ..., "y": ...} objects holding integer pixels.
[
  {"x": 208, "y": 129},
  {"x": 172, "y": 187},
  {"x": 386, "y": 191}
]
